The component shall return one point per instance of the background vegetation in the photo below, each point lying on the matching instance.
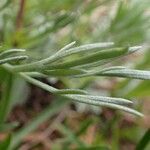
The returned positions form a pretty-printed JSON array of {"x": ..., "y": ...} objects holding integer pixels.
[{"x": 32, "y": 118}]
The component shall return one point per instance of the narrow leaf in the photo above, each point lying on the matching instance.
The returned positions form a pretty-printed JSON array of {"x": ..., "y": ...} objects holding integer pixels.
[
  {"x": 110, "y": 105},
  {"x": 11, "y": 51},
  {"x": 6, "y": 143},
  {"x": 84, "y": 48},
  {"x": 42, "y": 64},
  {"x": 87, "y": 100},
  {"x": 64, "y": 72},
  {"x": 119, "y": 101},
  {"x": 50, "y": 88},
  {"x": 134, "y": 49},
  {"x": 127, "y": 73},
  {"x": 144, "y": 141},
  {"x": 111, "y": 53},
  {"x": 15, "y": 58}
]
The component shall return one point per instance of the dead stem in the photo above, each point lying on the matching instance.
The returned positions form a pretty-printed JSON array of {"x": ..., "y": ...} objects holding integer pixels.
[{"x": 19, "y": 19}]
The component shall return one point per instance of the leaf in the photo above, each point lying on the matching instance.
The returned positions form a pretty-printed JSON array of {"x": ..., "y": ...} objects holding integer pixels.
[
  {"x": 15, "y": 58},
  {"x": 5, "y": 127},
  {"x": 5, "y": 5},
  {"x": 6, "y": 99},
  {"x": 65, "y": 69},
  {"x": 87, "y": 48},
  {"x": 93, "y": 100},
  {"x": 134, "y": 49},
  {"x": 42, "y": 64},
  {"x": 60, "y": 20},
  {"x": 84, "y": 126},
  {"x": 64, "y": 52},
  {"x": 11, "y": 51},
  {"x": 68, "y": 46},
  {"x": 47, "y": 63},
  {"x": 116, "y": 71},
  {"x": 5, "y": 145},
  {"x": 50, "y": 88},
  {"x": 101, "y": 55},
  {"x": 119, "y": 101},
  {"x": 106, "y": 104},
  {"x": 141, "y": 90},
  {"x": 144, "y": 141},
  {"x": 70, "y": 91},
  {"x": 129, "y": 29},
  {"x": 64, "y": 72},
  {"x": 71, "y": 137},
  {"x": 93, "y": 148},
  {"x": 126, "y": 73}
]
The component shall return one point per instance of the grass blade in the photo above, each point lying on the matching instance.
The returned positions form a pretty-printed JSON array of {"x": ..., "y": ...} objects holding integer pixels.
[
  {"x": 43, "y": 116},
  {"x": 144, "y": 141},
  {"x": 6, "y": 99},
  {"x": 6, "y": 143}
]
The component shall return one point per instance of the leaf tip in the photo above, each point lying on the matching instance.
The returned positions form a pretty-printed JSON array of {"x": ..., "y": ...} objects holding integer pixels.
[{"x": 134, "y": 49}]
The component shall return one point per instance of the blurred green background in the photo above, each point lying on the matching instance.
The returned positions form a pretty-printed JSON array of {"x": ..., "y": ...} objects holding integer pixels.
[{"x": 44, "y": 26}]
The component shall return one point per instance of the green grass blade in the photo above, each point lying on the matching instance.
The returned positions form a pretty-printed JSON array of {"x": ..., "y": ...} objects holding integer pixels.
[
  {"x": 144, "y": 141},
  {"x": 6, "y": 99},
  {"x": 5, "y": 145},
  {"x": 5, "y": 127},
  {"x": 92, "y": 148},
  {"x": 71, "y": 137},
  {"x": 43, "y": 116}
]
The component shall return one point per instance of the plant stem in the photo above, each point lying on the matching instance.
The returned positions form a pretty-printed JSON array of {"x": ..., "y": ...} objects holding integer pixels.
[{"x": 19, "y": 19}]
